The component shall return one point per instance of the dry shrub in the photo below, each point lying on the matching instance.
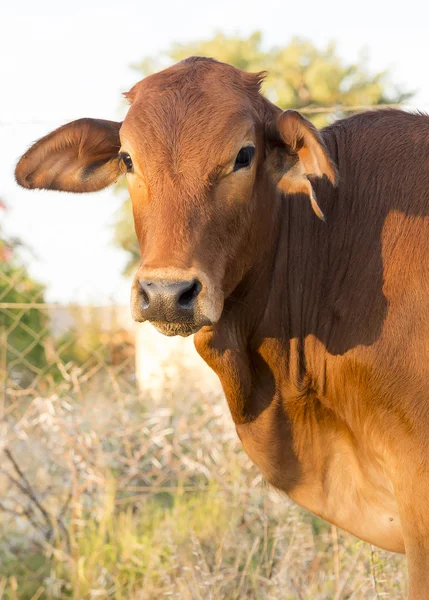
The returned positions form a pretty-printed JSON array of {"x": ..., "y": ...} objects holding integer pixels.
[{"x": 106, "y": 494}]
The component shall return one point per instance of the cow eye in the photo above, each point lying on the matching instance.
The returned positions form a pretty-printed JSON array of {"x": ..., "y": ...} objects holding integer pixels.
[
  {"x": 125, "y": 158},
  {"x": 244, "y": 157}
]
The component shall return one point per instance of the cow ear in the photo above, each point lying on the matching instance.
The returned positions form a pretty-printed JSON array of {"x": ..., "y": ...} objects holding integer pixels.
[
  {"x": 296, "y": 152},
  {"x": 81, "y": 156}
]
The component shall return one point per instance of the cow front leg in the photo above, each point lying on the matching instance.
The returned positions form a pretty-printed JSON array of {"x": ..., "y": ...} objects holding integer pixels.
[
  {"x": 413, "y": 502},
  {"x": 418, "y": 570}
]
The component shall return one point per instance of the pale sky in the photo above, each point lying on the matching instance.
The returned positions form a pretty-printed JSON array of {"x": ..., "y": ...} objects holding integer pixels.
[{"x": 65, "y": 60}]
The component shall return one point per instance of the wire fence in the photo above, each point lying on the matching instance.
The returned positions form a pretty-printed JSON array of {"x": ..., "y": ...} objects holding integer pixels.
[
  {"x": 63, "y": 364},
  {"x": 89, "y": 463},
  {"x": 75, "y": 432},
  {"x": 338, "y": 109},
  {"x": 45, "y": 344}
]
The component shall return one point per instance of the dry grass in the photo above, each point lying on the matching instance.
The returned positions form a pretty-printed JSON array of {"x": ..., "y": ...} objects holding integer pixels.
[{"x": 109, "y": 495}]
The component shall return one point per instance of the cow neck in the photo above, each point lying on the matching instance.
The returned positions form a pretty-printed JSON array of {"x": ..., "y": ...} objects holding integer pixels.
[
  {"x": 226, "y": 346},
  {"x": 286, "y": 338},
  {"x": 262, "y": 344}
]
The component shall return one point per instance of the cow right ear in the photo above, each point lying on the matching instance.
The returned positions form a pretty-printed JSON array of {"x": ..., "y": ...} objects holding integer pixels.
[
  {"x": 81, "y": 156},
  {"x": 297, "y": 151}
]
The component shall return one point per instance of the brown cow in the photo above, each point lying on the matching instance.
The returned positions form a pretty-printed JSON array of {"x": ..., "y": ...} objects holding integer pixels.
[{"x": 319, "y": 331}]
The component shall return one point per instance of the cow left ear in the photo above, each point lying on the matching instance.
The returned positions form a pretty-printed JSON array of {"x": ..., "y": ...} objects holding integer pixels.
[
  {"x": 297, "y": 151},
  {"x": 81, "y": 156}
]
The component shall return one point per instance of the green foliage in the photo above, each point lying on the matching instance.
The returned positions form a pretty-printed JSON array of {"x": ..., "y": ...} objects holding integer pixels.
[
  {"x": 33, "y": 352},
  {"x": 299, "y": 75},
  {"x": 135, "y": 548},
  {"x": 125, "y": 236},
  {"x": 21, "y": 331}
]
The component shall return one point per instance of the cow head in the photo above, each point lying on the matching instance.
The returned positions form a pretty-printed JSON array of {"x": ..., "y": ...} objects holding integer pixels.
[{"x": 202, "y": 151}]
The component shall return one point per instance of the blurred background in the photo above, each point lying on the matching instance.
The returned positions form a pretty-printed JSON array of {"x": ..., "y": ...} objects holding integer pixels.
[{"x": 121, "y": 474}]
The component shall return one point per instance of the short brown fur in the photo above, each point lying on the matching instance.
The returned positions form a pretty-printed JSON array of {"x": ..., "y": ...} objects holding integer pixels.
[{"x": 319, "y": 331}]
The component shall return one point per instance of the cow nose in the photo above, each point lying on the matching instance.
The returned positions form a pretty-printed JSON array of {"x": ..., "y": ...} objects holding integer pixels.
[{"x": 169, "y": 300}]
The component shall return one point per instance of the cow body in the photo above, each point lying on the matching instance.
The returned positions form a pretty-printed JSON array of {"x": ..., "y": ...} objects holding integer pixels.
[
  {"x": 331, "y": 398},
  {"x": 318, "y": 331}
]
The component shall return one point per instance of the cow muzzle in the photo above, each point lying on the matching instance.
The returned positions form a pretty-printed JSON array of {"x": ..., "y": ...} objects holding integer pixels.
[{"x": 175, "y": 306}]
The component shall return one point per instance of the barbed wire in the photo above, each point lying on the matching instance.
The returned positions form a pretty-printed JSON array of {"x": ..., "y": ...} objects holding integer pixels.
[
  {"x": 358, "y": 107},
  {"x": 309, "y": 110},
  {"x": 57, "y": 305}
]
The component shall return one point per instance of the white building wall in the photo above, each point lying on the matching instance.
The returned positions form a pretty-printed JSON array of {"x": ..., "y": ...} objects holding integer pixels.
[{"x": 167, "y": 362}]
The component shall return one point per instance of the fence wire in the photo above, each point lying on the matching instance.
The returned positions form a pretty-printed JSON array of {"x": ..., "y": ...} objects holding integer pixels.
[
  {"x": 338, "y": 109},
  {"x": 74, "y": 427},
  {"x": 88, "y": 459},
  {"x": 43, "y": 345}
]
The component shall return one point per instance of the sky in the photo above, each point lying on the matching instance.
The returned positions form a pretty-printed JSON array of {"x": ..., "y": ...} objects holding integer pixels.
[{"x": 60, "y": 61}]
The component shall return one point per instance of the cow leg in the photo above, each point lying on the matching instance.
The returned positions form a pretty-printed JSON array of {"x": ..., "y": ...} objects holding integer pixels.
[
  {"x": 418, "y": 570},
  {"x": 413, "y": 503}
]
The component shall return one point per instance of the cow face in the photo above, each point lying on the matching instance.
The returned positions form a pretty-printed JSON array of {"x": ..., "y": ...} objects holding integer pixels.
[{"x": 200, "y": 148}]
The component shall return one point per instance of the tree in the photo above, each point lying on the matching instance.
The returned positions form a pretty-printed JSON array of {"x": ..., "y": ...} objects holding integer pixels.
[{"x": 299, "y": 75}]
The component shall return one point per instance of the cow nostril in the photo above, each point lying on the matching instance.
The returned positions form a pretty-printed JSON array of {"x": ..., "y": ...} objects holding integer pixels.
[
  {"x": 187, "y": 298},
  {"x": 145, "y": 297}
]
